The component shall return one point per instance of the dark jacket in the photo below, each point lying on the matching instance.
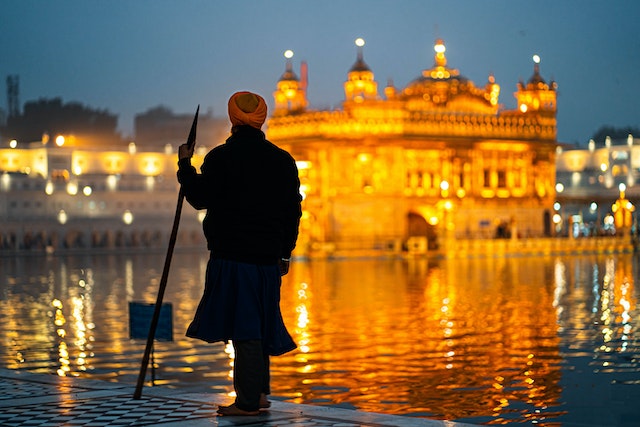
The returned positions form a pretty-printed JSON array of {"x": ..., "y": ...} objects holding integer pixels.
[{"x": 251, "y": 191}]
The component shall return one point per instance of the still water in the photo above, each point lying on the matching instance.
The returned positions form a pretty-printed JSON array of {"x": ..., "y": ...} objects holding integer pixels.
[{"x": 549, "y": 341}]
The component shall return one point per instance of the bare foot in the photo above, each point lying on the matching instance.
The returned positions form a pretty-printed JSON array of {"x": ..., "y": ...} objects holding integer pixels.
[
  {"x": 233, "y": 410},
  {"x": 264, "y": 402}
]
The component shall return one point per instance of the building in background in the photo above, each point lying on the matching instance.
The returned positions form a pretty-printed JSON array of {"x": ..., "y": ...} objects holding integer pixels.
[
  {"x": 595, "y": 188},
  {"x": 67, "y": 192},
  {"x": 159, "y": 126},
  {"x": 435, "y": 160}
]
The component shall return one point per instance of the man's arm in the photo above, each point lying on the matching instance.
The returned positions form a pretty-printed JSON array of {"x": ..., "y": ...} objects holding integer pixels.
[{"x": 193, "y": 186}]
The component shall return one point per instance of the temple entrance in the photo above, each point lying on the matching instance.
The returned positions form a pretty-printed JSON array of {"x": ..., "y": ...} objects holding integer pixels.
[{"x": 420, "y": 233}]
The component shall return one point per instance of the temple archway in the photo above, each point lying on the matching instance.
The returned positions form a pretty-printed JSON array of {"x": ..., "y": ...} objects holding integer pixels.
[{"x": 418, "y": 226}]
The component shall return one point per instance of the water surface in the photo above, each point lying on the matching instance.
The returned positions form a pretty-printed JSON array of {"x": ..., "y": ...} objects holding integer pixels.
[{"x": 521, "y": 340}]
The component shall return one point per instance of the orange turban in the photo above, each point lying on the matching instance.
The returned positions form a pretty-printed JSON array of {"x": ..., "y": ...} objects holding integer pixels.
[{"x": 246, "y": 108}]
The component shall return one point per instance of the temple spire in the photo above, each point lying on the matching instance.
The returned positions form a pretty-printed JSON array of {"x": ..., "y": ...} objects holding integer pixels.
[
  {"x": 360, "y": 84},
  {"x": 290, "y": 95},
  {"x": 440, "y": 58}
]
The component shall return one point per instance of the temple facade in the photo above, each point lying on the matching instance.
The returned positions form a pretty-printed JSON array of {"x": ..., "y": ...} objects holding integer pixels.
[
  {"x": 418, "y": 166},
  {"x": 413, "y": 169}
]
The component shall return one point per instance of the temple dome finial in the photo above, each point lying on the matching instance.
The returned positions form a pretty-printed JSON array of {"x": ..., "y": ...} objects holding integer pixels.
[
  {"x": 360, "y": 65},
  {"x": 440, "y": 58}
]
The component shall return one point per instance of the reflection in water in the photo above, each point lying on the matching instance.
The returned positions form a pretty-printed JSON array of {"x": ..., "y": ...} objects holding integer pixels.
[{"x": 537, "y": 340}]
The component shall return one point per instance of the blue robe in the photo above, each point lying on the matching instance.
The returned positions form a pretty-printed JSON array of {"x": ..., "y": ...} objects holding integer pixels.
[{"x": 241, "y": 301}]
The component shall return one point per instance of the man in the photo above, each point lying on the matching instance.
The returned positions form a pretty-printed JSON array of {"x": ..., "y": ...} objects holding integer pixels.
[{"x": 251, "y": 191}]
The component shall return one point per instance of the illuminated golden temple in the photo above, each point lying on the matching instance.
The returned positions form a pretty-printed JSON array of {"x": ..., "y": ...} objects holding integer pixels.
[
  {"x": 437, "y": 159},
  {"x": 438, "y": 167}
]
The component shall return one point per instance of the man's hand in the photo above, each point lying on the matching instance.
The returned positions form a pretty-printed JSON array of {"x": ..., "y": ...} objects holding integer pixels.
[
  {"x": 284, "y": 266},
  {"x": 184, "y": 152}
]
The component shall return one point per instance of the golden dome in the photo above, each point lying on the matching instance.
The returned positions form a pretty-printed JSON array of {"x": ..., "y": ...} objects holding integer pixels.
[
  {"x": 439, "y": 86},
  {"x": 289, "y": 74}
]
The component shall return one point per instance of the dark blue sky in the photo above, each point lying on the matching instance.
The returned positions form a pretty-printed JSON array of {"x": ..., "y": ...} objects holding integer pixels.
[{"x": 129, "y": 56}]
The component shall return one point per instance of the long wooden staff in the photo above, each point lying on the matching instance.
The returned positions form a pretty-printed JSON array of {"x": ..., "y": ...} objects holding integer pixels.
[{"x": 191, "y": 141}]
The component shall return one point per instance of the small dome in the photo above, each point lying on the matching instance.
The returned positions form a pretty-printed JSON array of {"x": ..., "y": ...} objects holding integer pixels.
[
  {"x": 536, "y": 77},
  {"x": 288, "y": 74},
  {"x": 359, "y": 66}
]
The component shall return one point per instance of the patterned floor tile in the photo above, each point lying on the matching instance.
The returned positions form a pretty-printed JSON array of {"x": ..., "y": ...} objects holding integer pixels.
[
  {"x": 15, "y": 389},
  {"x": 109, "y": 411}
]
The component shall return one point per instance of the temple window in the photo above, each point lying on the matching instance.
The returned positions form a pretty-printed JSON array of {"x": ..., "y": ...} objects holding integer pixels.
[
  {"x": 502, "y": 178},
  {"x": 486, "y": 178}
]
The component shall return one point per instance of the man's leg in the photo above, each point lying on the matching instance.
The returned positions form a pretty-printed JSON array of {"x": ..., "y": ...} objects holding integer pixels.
[
  {"x": 248, "y": 374},
  {"x": 266, "y": 384}
]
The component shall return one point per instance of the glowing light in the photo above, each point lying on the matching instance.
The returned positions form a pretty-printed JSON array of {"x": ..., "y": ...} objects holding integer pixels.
[
  {"x": 444, "y": 185},
  {"x": 87, "y": 190},
  {"x": 127, "y": 217},
  {"x": 113, "y": 162},
  {"x": 536, "y": 59},
  {"x": 112, "y": 182},
  {"x": 364, "y": 157},
  {"x": 593, "y": 207},
  {"x": 556, "y": 206},
  {"x": 60, "y": 140},
  {"x": 359, "y": 42},
  {"x": 559, "y": 187},
  {"x": 72, "y": 188},
  {"x": 523, "y": 108},
  {"x": 132, "y": 147},
  {"x": 608, "y": 220},
  {"x": 48, "y": 189},
  {"x": 288, "y": 54},
  {"x": 557, "y": 219},
  {"x": 13, "y": 143},
  {"x": 622, "y": 187},
  {"x": 150, "y": 183},
  {"x": 150, "y": 164},
  {"x": 303, "y": 164},
  {"x": 576, "y": 178},
  {"x": 62, "y": 217},
  {"x": 439, "y": 47}
]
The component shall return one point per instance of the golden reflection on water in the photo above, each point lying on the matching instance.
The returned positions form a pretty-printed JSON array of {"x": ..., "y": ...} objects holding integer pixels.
[
  {"x": 487, "y": 340},
  {"x": 420, "y": 337}
]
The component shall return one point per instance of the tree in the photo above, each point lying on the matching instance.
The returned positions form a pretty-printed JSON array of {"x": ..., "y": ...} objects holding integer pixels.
[{"x": 615, "y": 133}]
